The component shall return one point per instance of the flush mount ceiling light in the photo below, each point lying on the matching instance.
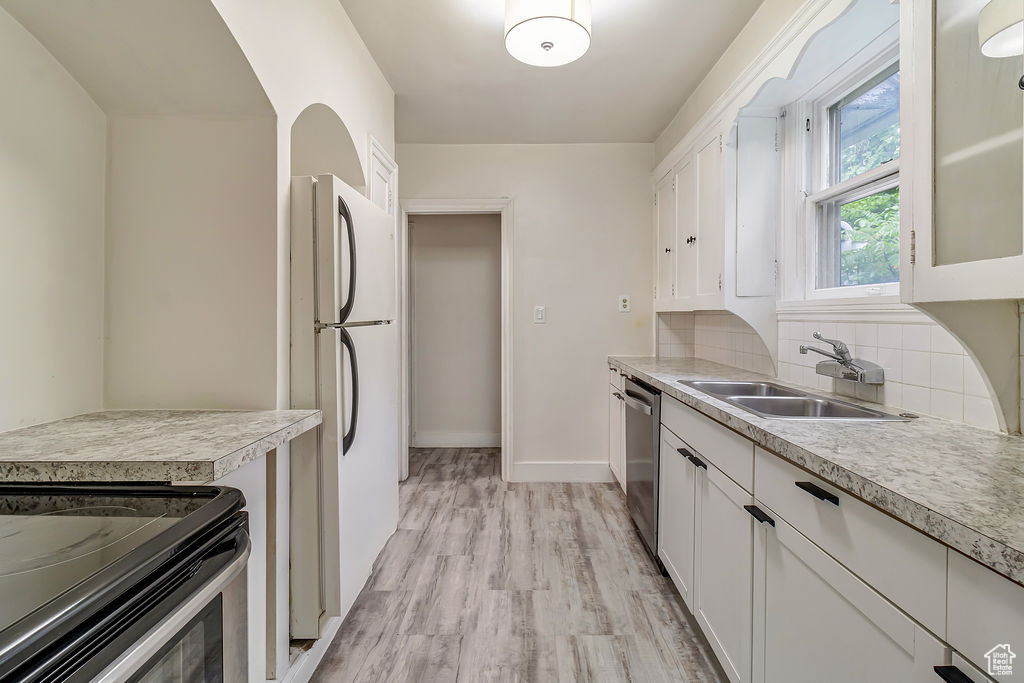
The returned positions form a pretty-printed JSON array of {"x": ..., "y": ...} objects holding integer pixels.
[
  {"x": 1001, "y": 28},
  {"x": 547, "y": 32}
]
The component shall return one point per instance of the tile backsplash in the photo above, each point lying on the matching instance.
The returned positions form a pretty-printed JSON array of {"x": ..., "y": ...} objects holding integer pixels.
[
  {"x": 926, "y": 369},
  {"x": 717, "y": 336}
]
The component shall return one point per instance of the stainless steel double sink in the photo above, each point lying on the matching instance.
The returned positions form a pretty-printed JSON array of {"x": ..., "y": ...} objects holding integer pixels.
[{"x": 773, "y": 401}]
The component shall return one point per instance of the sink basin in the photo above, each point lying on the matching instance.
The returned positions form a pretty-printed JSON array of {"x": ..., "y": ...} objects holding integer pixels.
[
  {"x": 771, "y": 400},
  {"x": 809, "y": 408},
  {"x": 716, "y": 388}
]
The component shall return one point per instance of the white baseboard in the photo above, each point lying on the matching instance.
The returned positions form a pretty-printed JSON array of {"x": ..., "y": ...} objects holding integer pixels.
[
  {"x": 597, "y": 472},
  {"x": 455, "y": 440}
]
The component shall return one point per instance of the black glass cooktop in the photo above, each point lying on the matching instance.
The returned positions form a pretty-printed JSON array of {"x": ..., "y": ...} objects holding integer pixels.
[{"x": 51, "y": 540}]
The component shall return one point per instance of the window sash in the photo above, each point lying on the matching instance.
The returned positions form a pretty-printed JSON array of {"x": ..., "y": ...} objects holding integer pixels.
[
  {"x": 824, "y": 209},
  {"x": 834, "y": 133}
]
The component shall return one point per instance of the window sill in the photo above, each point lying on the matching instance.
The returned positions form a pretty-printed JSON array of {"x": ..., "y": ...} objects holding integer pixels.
[{"x": 886, "y": 303}]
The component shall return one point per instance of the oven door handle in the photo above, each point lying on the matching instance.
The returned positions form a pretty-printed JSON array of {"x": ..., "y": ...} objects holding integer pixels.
[{"x": 157, "y": 637}]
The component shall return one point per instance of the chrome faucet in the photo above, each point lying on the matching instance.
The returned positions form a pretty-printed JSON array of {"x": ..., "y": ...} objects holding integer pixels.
[{"x": 843, "y": 365}]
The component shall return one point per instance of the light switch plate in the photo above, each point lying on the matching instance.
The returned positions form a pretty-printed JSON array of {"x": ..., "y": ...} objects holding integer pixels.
[
  {"x": 540, "y": 315},
  {"x": 624, "y": 303}
]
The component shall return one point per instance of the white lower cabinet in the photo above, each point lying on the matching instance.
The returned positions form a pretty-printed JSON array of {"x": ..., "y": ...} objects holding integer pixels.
[
  {"x": 616, "y": 435},
  {"x": 811, "y": 584},
  {"x": 723, "y": 570},
  {"x": 815, "y": 621},
  {"x": 677, "y": 490}
]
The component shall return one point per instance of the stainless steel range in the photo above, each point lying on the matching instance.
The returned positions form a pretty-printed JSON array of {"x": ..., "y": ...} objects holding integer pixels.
[{"x": 122, "y": 583}]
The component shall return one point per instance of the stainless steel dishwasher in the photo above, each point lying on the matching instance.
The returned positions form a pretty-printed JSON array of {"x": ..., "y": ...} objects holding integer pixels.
[{"x": 643, "y": 422}]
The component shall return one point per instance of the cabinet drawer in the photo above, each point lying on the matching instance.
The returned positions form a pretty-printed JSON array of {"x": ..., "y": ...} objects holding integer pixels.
[
  {"x": 615, "y": 378},
  {"x": 903, "y": 564},
  {"x": 985, "y": 610},
  {"x": 726, "y": 449}
]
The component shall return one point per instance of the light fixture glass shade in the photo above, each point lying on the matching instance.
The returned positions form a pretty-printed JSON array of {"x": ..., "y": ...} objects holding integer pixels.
[
  {"x": 547, "y": 32},
  {"x": 1001, "y": 28}
]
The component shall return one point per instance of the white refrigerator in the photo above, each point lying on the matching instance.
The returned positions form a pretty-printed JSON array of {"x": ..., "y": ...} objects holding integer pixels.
[{"x": 344, "y": 361}]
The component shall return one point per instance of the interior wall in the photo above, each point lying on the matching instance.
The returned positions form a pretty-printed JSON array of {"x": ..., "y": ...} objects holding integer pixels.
[
  {"x": 766, "y": 22},
  {"x": 52, "y": 185},
  {"x": 581, "y": 237},
  {"x": 455, "y": 296},
  {"x": 191, "y": 264}
]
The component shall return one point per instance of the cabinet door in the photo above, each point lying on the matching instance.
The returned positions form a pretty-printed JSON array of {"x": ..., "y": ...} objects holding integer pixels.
[
  {"x": 677, "y": 502},
  {"x": 817, "y": 621},
  {"x": 710, "y": 218},
  {"x": 724, "y": 570},
  {"x": 686, "y": 231},
  {"x": 665, "y": 198},
  {"x": 615, "y": 407},
  {"x": 962, "y": 166}
]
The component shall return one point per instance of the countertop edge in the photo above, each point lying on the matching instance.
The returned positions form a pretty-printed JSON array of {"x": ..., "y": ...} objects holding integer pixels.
[
  {"x": 946, "y": 530},
  {"x": 228, "y": 463}
]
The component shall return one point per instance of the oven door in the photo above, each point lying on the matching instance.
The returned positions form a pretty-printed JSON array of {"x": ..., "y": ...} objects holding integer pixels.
[{"x": 203, "y": 639}]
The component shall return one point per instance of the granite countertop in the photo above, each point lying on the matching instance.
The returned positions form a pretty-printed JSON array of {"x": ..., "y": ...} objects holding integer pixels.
[
  {"x": 959, "y": 484},
  {"x": 148, "y": 445}
]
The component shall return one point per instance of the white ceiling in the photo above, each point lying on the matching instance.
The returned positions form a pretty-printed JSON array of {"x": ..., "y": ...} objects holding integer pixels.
[{"x": 455, "y": 83}]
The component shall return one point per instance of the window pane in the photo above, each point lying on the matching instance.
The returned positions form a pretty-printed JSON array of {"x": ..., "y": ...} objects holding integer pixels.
[
  {"x": 859, "y": 241},
  {"x": 866, "y": 126}
]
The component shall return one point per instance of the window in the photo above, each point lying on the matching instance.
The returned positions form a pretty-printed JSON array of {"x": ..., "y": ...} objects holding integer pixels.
[{"x": 855, "y": 211}]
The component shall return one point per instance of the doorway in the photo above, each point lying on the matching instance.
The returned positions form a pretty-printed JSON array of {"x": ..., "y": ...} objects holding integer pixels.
[
  {"x": 456, "y": 313},
  {"x": 455, "y": 330}
]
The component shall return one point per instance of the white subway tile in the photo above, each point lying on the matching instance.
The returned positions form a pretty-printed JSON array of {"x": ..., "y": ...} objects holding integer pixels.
[
  {"x": 891, "y": 394},
  {"x": 974, "y": 384},
  {"x": 866, "y": 334},
  {"x": 917, "y": 338},
  {"x": 947, "y": 372},
  {"x": 916, "y": 399},
  {"x": 947, "y": 404},
  {"x": 890, "y": 336},
  {"x": 980, "y": 412},
  {"x": 944, "y": 342},
  {"x": 892, "y": 361},
  {"x": 846, "y": 332},
  {"x": 916, "y": 368}
]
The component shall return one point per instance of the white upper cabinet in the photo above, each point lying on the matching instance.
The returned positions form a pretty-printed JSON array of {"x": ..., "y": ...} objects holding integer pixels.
[
  {"x": 665, "y": 256},
  {"x": 691, "y": 229},
  {"x": 962, "y": 207}
]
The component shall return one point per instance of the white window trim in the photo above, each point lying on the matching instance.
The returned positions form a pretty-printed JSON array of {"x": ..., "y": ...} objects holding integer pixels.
[{"x": 807, "y": 183}]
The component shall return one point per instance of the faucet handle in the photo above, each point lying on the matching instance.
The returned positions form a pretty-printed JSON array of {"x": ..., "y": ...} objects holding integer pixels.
[{"x": 839, "y": 346}]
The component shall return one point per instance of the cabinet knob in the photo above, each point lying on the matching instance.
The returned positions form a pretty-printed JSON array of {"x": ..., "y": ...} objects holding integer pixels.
[{"x": 668, "y": 250}]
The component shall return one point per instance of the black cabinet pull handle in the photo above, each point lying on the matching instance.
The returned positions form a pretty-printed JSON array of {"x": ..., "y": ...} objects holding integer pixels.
[
  {"x": 685, "y": 453},
  {"x": 818, "y": 492},
  {"x": 697, "y": 461},
  {"x": 758, "y": 514},
  {"x": 951, "y": 674}
]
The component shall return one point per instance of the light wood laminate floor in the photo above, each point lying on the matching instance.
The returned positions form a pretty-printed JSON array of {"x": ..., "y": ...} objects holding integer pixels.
[{"x": 489, "y": 581}]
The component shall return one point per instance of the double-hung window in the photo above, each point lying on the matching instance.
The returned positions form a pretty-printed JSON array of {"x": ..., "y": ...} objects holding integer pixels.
[{"x": 852, "y": 212}]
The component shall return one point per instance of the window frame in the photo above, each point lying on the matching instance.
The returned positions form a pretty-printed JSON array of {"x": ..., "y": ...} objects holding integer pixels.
[{"x": 813, "y": 160}]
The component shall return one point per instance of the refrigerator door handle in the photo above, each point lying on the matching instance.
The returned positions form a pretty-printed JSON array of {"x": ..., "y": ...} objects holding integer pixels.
[
  {"x": 350, "y": 435},
  {"x": 346, "y": 308}
]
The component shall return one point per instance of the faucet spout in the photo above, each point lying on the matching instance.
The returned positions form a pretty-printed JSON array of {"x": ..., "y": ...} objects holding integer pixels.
[{"x": 827, "y": 354}]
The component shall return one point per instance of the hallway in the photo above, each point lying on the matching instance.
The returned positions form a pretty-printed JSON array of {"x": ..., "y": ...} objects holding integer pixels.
[{"x": 488, "y": 581}]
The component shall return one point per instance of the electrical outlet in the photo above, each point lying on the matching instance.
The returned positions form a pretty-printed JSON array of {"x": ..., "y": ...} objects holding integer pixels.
[
  {"x": 540, "y": 315},
  {"x": 623, "y": 303}
]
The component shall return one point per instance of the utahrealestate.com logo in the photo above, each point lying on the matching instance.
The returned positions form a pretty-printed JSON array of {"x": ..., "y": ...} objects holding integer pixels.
[{"x": 1000, "y": 660}]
